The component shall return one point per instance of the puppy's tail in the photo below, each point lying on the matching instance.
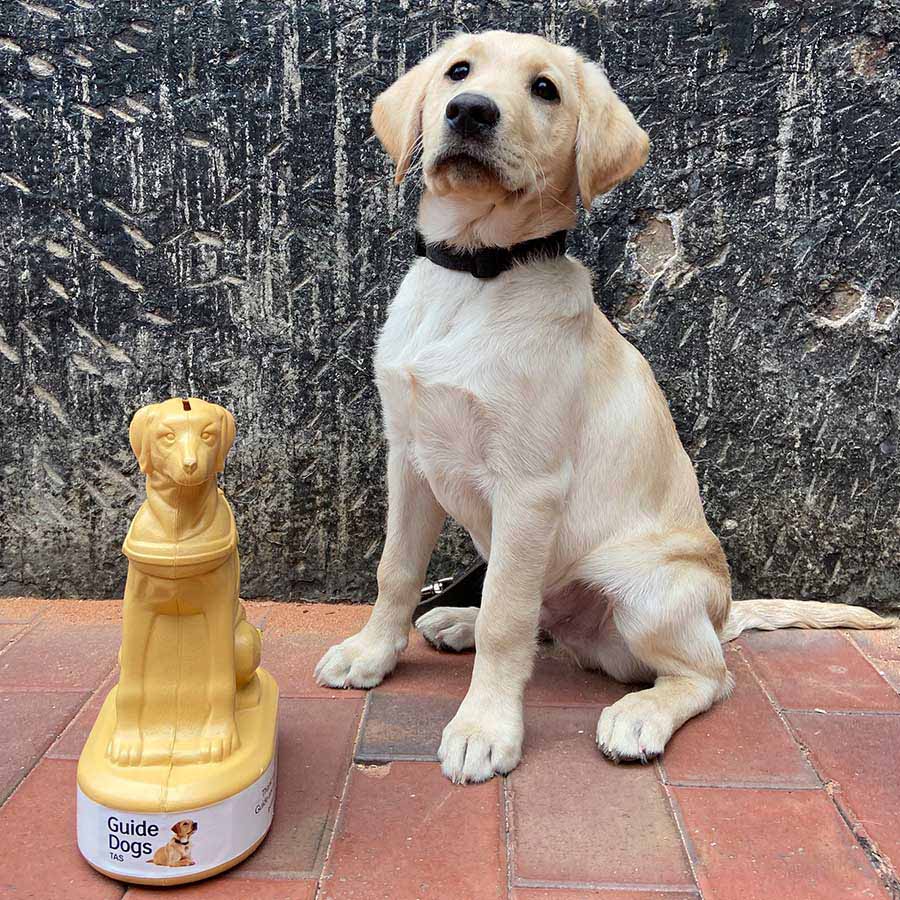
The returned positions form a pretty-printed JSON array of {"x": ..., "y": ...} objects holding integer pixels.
[{"x": 769, "y": 615}]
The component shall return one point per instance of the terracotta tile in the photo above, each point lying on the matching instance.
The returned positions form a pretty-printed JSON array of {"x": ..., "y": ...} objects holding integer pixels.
[
  {"x": 859, "y": 753},
  {"x": 883, "y": 643},
  {"x": 292, "y": 656},
  {"x": 557, "y": 680},
  {"x": 225, "y": 888},
  {"x": 315, "y": 743},
  {"x": 71, "y": 741},
  {"x": 725, "y": 745},
  {"x": 20, "y": 609},
  {"x": 258, "y": 612},
  {"x": 576, "y": 818},
  {"x": 761, "y": 844},
  {"x": 291, "y": 659},
  {"x": 57, "y": 655},
  {"x": 406, "y": 832},
  {"x": 403, "y": 726},
  {"x": 817, "y": 670},
  {"x": 582, "y": 894},
  {"x": 40, "y": 858},
  {"x": 29, "y": 723},
  {"x": 338, "y": 620},
  {"x": 84, "y": 612},
  {"x": 424, "y": 670}
]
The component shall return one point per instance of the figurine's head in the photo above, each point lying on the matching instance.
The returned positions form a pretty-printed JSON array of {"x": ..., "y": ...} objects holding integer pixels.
[
  {"x": 184, "y": 829},
  {"x": 186, "y": 441}
]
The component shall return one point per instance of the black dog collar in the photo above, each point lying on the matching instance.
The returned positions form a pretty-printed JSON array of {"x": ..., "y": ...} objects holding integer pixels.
[{"x": 492, "y": 261}]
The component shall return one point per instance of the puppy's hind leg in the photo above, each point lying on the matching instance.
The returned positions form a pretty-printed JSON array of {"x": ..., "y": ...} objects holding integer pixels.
[
  {"x": 449, "y": 627},
  {"x": 665, "y": 616}
]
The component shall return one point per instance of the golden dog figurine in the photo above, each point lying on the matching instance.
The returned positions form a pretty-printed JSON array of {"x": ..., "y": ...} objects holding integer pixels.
[
  {"x": 182, "y": 613},
  {"x": 189, "y": 733}
]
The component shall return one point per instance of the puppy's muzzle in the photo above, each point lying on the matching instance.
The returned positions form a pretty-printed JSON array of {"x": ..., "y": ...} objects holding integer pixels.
[{"x": 472, "y": 115}]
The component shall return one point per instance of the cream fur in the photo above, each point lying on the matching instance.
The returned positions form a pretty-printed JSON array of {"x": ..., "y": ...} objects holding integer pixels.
[{"x": 515, "y": 407}]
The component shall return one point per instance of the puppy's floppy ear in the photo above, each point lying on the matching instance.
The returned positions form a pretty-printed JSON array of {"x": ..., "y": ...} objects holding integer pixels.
[
  {"x": 226, "y": 438},
  {"x": 175, "y": 828},
  {"x": 610, "y": 145},
  {"x": 139, "y": 434},
  {"x": 397, "y": 113}
]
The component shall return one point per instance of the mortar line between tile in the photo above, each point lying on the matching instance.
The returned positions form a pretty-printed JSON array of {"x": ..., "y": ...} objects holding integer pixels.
[
  {"x": 272, "y": 875},
  {"x": 871, "y": 662},
  {"x": 342, "y": 803},
  {"x": 879, "y": 862},
  {"x": 91, "y": 695},
  {"x": 874, "y": 658},
  {"x": 47, "y": 688},
  {"x": 505, "y": 832},
  {"x": 27, "y": 628},
  {"x": 743, "y": 785},
  {"x": 883, "y": 713},
  {"x": 509, "y": 817},
  {"x": 675, "y": 811},
  {"x": 876, "y": 859},
  {"x": 310, "y": 695},
  {"x": 779, "y": 711},
  {"x": 607, "y": 886}
]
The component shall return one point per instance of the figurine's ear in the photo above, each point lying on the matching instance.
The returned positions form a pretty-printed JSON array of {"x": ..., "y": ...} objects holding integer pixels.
[
  {"x": 139, "y": 433},
  {"x": 610, "y": 146},
  {"x": 226, "y": 438}
]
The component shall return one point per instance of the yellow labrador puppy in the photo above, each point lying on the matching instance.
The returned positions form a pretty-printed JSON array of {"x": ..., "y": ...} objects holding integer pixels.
[{"x": 511, "y": 404}]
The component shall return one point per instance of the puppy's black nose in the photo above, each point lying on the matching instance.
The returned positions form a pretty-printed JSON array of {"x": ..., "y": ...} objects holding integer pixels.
[{"x": 471, "y": 114}]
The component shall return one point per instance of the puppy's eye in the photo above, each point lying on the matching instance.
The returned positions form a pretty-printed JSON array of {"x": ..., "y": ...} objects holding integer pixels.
[
  {"x": 208, "y": 436},
  {"x": 458, "y": 71},
  {"x": 544, "y": 88}
]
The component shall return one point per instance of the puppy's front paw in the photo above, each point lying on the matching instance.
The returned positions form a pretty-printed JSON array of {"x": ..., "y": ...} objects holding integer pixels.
[
  {"x": 449, "y": 627},
  {"x": 633, "y": 729},
  {"x": 358, "y": 662},
  {"x": 477, "y": 747}
]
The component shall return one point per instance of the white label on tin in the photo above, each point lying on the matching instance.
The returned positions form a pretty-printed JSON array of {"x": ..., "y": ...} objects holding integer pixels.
[{"x": 171, "y": 845}]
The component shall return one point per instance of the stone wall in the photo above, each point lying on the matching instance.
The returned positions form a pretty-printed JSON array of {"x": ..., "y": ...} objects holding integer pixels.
[{"x": 192, "y": 202}]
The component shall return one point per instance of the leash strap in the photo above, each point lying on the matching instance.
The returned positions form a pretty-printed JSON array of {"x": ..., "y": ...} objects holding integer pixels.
[
  {"x": 489, "y": 262},
  {"x": 463, "y": 590}
]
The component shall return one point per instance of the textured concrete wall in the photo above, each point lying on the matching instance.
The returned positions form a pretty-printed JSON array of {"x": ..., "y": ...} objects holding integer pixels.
[{"x": 191, "y": 201}]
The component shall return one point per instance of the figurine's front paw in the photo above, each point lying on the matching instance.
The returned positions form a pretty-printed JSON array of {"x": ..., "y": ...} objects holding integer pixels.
[
  {"x": 360, "y": 661},
  {"x": 480, "y": 743},
  {"x": 221, "y": 741},
  {"x": 125, "y": 747}
]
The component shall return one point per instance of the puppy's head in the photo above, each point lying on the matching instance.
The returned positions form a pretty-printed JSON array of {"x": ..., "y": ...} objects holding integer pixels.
[
  {"x": 184, "y": 829},
  {"x": 186, "y": 441},
  {"x": 496, "y": 114}
]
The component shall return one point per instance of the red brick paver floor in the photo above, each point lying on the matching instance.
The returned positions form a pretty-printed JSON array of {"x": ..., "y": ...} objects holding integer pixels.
[{"x": 789, "y": 790}]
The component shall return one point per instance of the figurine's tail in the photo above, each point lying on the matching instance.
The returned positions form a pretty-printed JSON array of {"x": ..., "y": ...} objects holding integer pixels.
[{"x": 769, "y": 615}]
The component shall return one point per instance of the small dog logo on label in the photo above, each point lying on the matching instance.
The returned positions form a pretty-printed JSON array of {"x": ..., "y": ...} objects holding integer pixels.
[{"x": 178, "y": 851}]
